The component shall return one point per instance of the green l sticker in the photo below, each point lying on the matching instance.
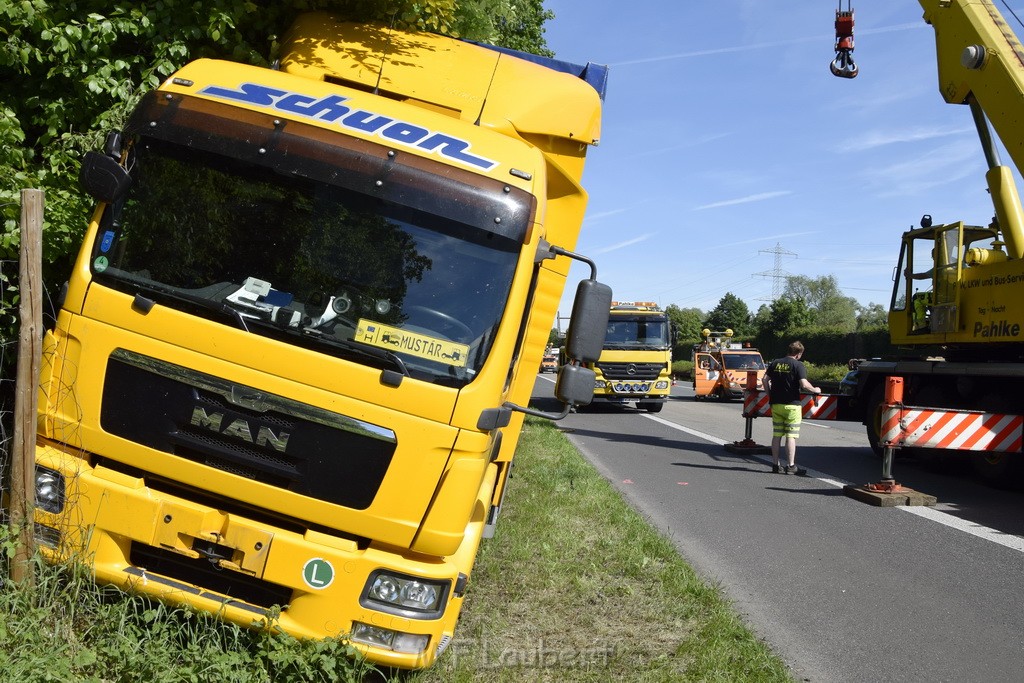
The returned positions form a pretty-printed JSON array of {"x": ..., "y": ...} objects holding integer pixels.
[{"x": 318, "y": 573}]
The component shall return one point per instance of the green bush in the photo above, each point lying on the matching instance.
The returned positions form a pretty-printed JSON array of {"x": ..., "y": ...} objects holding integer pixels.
[
  {"x": 827, "y": 347},
  {"x": 818, "y": 374},
  {"x": 682, "y": 369}
]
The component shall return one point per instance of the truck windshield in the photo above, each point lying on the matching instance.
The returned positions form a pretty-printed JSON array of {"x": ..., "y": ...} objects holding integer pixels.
[
  {"x": 632, "y": 332},
  {"x": 410, "y": 274},
  {"x": 743, "y": 361}
]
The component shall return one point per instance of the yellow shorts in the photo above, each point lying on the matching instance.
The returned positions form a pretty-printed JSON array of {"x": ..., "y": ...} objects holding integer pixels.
[{"x": 786, "y": 420}]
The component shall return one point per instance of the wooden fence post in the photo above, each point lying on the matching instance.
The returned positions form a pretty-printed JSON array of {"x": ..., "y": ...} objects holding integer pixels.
[{"x": 30, "y": 286}]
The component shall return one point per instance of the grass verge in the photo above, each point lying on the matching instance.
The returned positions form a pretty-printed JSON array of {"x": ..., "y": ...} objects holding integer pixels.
[{"x": 575, "y": 587}]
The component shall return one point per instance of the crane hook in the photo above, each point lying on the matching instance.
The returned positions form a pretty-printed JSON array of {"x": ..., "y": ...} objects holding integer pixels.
[{"x": 843, "y": 65}]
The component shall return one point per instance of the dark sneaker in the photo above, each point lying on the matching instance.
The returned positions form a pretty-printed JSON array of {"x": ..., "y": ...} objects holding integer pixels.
[
  {"x": 798, "y": 471},
  {"x": 776, "y": 469}
]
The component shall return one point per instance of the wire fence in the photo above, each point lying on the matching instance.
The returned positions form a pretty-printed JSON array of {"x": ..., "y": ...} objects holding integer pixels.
[{"x": 8, "y": 365}]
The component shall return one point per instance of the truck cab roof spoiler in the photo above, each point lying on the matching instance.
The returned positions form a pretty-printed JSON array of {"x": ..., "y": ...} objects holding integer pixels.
[{"x": 595, "y": 75}]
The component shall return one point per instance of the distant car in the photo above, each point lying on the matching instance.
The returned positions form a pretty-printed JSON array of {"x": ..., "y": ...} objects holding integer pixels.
[
  {"x": 549, "y": 364},
  {"x": 848, "y": 385}
]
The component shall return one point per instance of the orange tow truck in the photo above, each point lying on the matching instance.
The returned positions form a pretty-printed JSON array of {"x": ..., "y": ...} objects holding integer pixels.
[
  {"x": 720, "y": 366},
  {"x": 549, "y": 362}
]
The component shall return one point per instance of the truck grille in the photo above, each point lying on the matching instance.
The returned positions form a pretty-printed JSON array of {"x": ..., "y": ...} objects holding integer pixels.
[
  {"x": 187, "y": 574},
  {"x": 637, "y": 371},
  {"x": 238, "y": 429}
]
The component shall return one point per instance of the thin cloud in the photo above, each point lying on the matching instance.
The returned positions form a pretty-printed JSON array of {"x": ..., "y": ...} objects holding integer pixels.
[
  {"x": 622, "y": 245},
  {"x": 745, "y": 200},
  {"x": 910, "y": 177},
  {"x": 604, "y": 214},
  {"x": 874, "y": 139},
  {"x": 690, "y": 143},
  {"x": 770, "y": 238},
  {"x": 756, "y": 46}
]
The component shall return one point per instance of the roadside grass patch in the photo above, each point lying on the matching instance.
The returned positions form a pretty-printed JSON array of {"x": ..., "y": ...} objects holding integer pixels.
[
  {"x": 577, "y": 586},
  {"x": 62, "y": 627}
]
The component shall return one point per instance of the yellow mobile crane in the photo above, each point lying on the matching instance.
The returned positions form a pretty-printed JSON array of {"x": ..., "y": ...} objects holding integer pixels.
[{"x": 957, "y": 307}]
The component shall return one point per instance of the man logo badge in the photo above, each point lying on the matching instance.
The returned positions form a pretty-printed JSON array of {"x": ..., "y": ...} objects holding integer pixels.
[{"x": 239, "y": 429}]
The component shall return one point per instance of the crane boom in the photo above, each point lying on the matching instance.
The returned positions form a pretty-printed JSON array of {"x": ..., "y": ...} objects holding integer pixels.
[{"x": 981, "y": 63}]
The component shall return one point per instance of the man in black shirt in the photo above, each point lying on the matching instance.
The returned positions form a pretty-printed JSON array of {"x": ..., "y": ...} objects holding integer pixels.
[{"x": 784, "y": 379}]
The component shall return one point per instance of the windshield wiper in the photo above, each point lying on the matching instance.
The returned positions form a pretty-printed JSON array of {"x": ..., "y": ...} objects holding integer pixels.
[
  {"x": 206, "y": 304},
  {"x": 360, "y": 349}
]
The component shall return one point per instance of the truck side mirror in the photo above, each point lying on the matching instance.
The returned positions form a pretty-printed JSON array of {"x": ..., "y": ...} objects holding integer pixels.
[
  {"x": 575, "y": 385},
  {"x": 589, "y": 322},
  {"x": 583, "y": 344},
  {"x": 103, "y": 178}
]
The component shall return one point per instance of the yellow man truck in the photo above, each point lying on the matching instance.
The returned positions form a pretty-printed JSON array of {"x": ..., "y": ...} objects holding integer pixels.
[
  {"x": 957, "y": 307},
  {"x": 636, "y": 363},
  {"x": 293, "y": 359}
]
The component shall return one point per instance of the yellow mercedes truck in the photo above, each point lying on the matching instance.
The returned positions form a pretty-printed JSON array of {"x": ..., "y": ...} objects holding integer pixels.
[
  {"x": 295, "y": 352},
  {"x": 636, "y": 362}
]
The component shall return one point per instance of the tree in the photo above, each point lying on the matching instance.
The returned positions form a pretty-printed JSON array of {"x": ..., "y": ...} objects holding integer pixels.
[
  {"x": 759, "y": 321},
  {"x": 787, "y": 313},
  {"x": 830, "y": 308},
  {"x": 730, "y": 313},
  {"x": 687, "y": 322},
  {"x": 872, "y": 317},
  {"x": 521, "y": 27}
]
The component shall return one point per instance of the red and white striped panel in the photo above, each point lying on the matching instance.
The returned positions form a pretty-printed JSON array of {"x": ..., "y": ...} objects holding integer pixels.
[
  {"x": 755, "y": 404},
  {"x": 961, "y": 430},
  {"x": 819, "y": 407}
]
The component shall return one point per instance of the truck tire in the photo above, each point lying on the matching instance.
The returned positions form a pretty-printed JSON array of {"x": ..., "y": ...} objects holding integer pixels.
[
  {"x": 999, "y": 470},
  {"x": 651, "y": 406}
]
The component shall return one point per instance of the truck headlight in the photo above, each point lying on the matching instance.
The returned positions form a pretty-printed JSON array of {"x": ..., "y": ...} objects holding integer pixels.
[
  {"x": 47, "y": 536},
  {"x": 49, "y": 490},
  {"x": 599, "y": 384},
  {"x": 396, "y": 641},
  {"x": 662, "y": 384},
  {"x": 404, "y": 594}
]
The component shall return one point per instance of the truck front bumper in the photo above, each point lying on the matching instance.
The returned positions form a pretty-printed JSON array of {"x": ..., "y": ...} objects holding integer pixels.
[
  {"x": 247, "y": 571},
  {"x": 624, "y": 391}
]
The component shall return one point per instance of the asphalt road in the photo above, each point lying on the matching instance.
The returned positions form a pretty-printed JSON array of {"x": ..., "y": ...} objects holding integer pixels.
[{"x": 842, "y": 590}]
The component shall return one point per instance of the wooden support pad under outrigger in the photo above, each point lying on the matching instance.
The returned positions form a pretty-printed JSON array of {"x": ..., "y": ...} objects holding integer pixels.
[
  {"x": 885, "y": 496},
  {"x": 887, "y": 492}
]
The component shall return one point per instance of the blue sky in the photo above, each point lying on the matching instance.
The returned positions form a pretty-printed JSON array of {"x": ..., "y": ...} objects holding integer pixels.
[{"x": 729, "y": 152}]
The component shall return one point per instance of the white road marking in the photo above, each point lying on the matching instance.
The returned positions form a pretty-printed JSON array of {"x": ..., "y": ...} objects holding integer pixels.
[{"x": 951, "y": 521}]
